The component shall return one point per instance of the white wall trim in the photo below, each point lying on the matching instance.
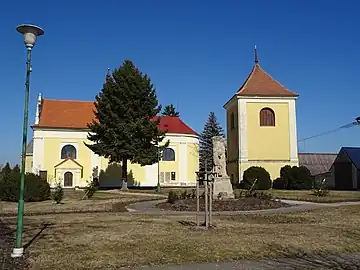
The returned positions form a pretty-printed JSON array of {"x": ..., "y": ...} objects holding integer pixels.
[
  {"x": 151, "y": 175},
  {"x": 270, "y": 161},
  {"x": 242, "y": 125},
  {"x": 265, "y": 99},
  {"x": 270, "y": 101},
  {"x": 38, "y": 154},
  {"x": 95, "y": 162},
  {"x": 80, "y": 134},
  {"x": 230, "y": 102},
  {"x": 293, "y": 132}
]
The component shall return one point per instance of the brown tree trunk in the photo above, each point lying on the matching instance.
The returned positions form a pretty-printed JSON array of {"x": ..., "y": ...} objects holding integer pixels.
[{"x": 124, "y": 174}]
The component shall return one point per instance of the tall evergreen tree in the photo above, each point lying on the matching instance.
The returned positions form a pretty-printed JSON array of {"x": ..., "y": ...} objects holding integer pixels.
[
  {"x": 170, "y": 110},
  {"x": 212, "y": 128},
  {"x": 125, "y": 125}
]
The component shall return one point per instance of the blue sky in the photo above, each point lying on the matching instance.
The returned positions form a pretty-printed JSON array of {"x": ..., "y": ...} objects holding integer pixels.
[{"x": 197, "y": 53}]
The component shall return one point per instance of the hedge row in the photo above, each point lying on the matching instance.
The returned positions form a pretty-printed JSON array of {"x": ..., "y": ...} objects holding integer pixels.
[{"x": 35, "y": 189}]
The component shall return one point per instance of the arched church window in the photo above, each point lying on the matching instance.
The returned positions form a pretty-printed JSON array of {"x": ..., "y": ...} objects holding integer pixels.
[
  {"x": 232, "y": 121},
  {"x": 68, "y": 151},
  {"x": 267, "y": 117},
  {"x": 168, "y": 154}
]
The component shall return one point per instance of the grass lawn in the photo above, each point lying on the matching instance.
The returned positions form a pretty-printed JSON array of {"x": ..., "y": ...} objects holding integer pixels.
[
  {"x": 102, "y": 201},
  {"x": 112, "y": 240}
]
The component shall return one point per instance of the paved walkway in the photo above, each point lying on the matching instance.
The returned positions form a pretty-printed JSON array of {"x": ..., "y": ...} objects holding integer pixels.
[
  {"x": 342, "y": 261},
  {"x": 149, "y": 207}
]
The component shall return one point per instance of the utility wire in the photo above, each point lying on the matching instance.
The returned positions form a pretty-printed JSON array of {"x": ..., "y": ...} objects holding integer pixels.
[{"x": 332, "y": 131}]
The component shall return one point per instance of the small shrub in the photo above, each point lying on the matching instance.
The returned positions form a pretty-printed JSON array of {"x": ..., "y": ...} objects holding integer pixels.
[
  {"x": 238, "y": 194},
  {"x": 259, "y": 174},
  {"x": 172, "y": 197},
  {"x": 295, "y": 178},
  {"x": 187, "y": 195},
  {"x": 90, "y": 189},
  {"x": 58, "y": 193},
  {"x": 263, "y": 195},
  {"x": 253, "y": 194},
  {"x": 321, "y": 190}
]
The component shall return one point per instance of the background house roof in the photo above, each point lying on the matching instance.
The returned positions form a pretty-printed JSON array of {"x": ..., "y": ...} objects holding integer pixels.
[
  {"x": 260, "y": 83},
  {"x": 77, "y": 114},
  {"x": 317, "y": 163},
  {"x": 354, "y": 154}
]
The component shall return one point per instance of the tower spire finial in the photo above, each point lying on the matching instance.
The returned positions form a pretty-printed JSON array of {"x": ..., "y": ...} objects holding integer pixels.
[{"x": 256, "y": 56}]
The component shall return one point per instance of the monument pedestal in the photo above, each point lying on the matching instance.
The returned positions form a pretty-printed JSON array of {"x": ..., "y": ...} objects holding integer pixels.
[{"x": 222, "y": 186}]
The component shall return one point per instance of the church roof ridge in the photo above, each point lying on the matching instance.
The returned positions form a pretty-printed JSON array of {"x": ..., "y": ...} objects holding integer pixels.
[{"x": 74, "y": 114}]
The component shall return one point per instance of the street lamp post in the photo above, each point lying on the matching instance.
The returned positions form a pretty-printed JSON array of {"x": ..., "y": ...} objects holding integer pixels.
[
  {"x": 30, "y": 33},
  {"x": 158, "y": 187}
]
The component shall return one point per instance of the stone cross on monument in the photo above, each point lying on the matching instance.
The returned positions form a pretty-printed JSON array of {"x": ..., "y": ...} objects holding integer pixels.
[{"x": 222, "y": 184}]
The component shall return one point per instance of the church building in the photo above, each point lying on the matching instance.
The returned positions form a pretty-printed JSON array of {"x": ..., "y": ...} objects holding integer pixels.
[
  {"x": 57, "y": 151},
  {"x": 261, "y": 126}
]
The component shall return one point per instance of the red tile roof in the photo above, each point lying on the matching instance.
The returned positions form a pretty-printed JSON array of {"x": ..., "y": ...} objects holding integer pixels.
[
  {"x": 260, "y": 83},
  {"x": 77, "y": 114}
]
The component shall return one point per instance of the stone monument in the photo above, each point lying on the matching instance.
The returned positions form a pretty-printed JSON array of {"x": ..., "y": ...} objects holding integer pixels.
[{"x": 222, "y": 183}]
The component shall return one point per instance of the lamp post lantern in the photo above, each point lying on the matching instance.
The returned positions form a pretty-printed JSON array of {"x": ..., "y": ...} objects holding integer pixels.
[
  {"x": 357, "y": 119},
  {"x": 30, "y": 33}
]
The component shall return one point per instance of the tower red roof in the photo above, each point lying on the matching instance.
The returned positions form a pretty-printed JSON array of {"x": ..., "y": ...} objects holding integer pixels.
[{"x": 260, "y": 83}]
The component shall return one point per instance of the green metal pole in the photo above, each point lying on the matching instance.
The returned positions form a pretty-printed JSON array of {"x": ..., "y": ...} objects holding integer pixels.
[
  {"x": 158, "y": 187},
  {"x": 19, "y": 251}
]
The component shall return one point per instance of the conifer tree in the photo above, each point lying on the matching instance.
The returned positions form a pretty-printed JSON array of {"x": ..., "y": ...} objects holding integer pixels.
[
  {"x": 6, "y": 169},
  {"x": 125, "y": 125},
  {"x": 16, "y": 168},
  {"x": 170, "y": 110},
  {"x": 212, "y": 128}
]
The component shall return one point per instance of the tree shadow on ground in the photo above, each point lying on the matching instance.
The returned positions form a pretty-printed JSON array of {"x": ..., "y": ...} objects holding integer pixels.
[
  {"x": 300, "y": 260},
  {"x": 111, "y": 177}
]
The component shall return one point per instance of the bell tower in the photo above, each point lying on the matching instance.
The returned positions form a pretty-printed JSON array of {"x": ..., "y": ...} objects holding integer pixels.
[{"x": 261, "y": 125}]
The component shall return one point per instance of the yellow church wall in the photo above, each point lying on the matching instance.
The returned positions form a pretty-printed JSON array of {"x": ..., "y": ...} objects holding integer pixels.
[
  {"x": 193, "y": 161},
  {"x": 52, "y": 150},
  {"x": 268, "y": 143},
  {"x": 138, "y": 171},
  {"x": 47, "y": 154},
  {"x": 232, "y": 141}
]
